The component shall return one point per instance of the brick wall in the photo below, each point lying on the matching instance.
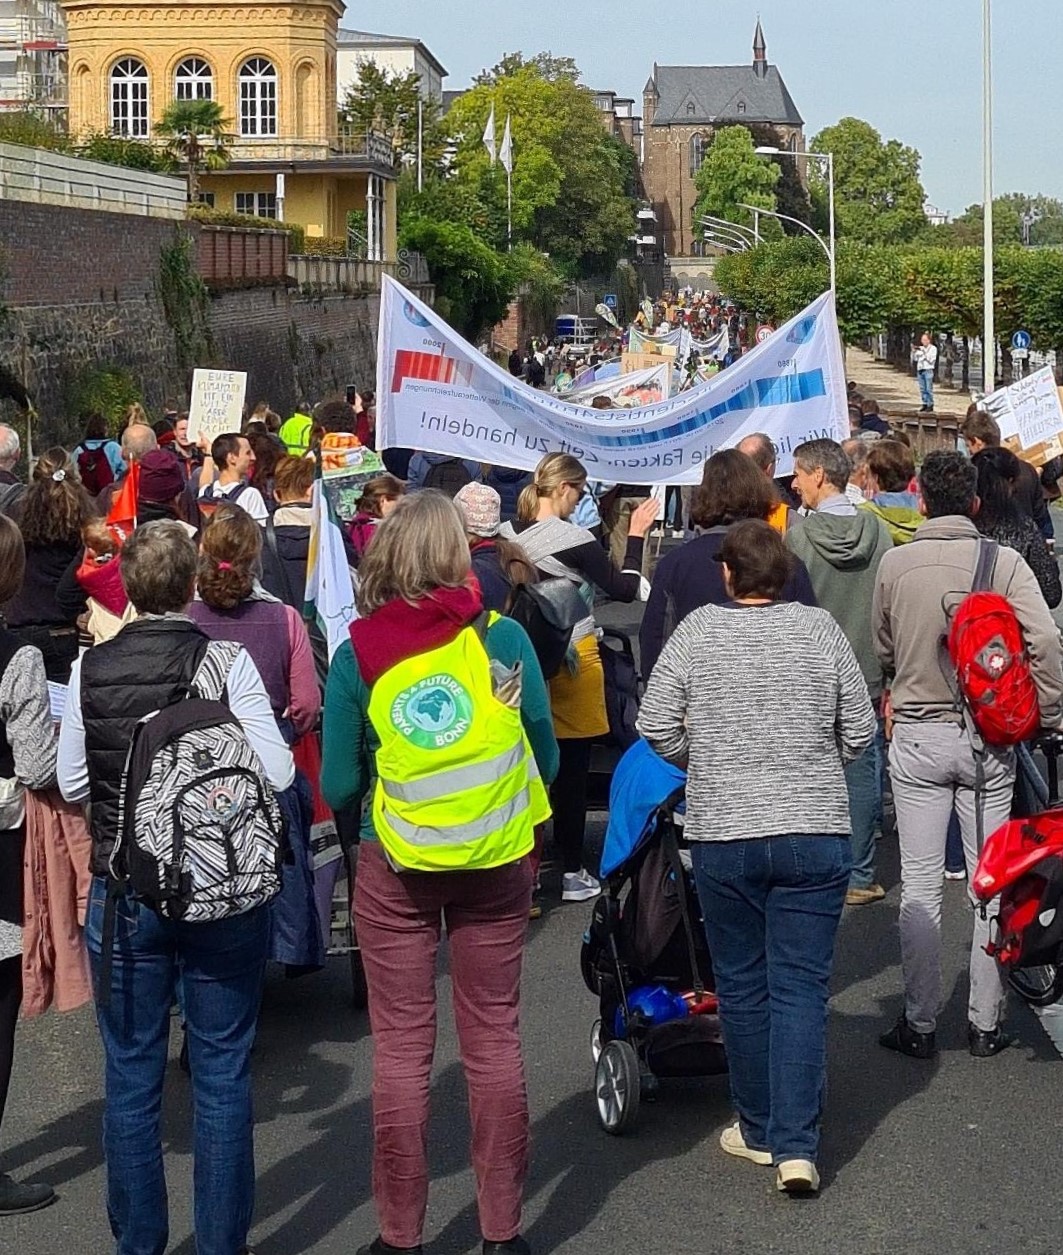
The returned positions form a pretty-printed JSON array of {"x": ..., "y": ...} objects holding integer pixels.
[
  {"x": 231, "y": 256},
  {"x": 56, "y": 255},
  {"x": 77, "y": 292}
]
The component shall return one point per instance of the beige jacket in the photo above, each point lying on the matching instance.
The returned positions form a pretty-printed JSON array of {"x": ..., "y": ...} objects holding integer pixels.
[{"x": 917, "y": 585}]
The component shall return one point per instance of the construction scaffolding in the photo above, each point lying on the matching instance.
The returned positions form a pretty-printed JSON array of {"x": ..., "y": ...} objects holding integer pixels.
[{"x": 33, "y": 73}]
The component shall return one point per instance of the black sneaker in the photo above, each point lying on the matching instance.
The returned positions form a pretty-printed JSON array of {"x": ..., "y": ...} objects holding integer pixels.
[
  {"x": 379, "y": 1247},
  {"x": 16, "y": 1200},
  {"x": 515, "y": 1246},
  {"x": 984, "y": 1045},
  {"x": 906, "y": 1041}
]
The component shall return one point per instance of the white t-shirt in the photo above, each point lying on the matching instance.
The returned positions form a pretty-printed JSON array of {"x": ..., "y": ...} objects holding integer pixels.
[{"x": 249, "y": 499}]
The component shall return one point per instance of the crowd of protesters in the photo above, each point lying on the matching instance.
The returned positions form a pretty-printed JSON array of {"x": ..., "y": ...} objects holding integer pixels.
[{"x": 800, "y": 618}]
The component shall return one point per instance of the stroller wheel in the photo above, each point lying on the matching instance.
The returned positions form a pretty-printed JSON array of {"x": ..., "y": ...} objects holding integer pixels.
[
  {"x": 1039, "y": 986},
  {"x": 616, "y": 1084},
  {"x": 596, "y": 1040}
]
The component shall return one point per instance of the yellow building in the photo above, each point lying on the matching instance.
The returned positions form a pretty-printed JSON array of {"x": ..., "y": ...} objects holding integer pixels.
[{"x": 272, "y": 68}]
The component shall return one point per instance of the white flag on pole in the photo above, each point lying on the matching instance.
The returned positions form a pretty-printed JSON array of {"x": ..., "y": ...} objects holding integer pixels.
[
  {"x": 505, "y": 153},
  {"x": 489, "y": 135}
]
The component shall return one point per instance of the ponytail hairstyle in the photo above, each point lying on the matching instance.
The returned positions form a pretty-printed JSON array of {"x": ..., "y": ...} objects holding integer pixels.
[
  {"x": 552, "y": 472},
  {"x": 56, "y": 505},
  {"x": 229, "y": 555}
]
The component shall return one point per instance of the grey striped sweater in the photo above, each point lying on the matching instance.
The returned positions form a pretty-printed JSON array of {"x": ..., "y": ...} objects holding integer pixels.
[{"x": 762, "y": 704}]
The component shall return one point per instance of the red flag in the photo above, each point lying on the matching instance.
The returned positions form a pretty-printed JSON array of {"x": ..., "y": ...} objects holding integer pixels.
[{"x": 122, "y": 516}]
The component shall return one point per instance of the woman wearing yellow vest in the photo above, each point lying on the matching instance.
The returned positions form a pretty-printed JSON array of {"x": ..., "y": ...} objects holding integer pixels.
[{"x": 441, "y": 713}]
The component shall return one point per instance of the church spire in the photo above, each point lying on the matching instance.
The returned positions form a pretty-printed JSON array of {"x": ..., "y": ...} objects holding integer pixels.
[{"x": 760, "y": 50}]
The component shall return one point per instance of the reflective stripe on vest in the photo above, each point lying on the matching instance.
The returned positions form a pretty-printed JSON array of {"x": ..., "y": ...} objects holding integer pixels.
[
  {"x": 432, "y": 788},
  {"x": 457, "y": 784},
  {"x": 462, "y": 834}
]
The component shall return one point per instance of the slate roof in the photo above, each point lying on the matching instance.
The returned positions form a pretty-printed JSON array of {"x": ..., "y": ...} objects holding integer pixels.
[
  {"x": 716, "y": 90},
  {"x": 367, "y": 39}
]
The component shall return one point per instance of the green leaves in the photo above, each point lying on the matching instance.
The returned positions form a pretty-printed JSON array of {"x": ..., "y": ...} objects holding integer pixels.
[
  {"x": 570, "y": 180},
  {"x": 732, "y": 175},
  {"x": 197, "y": 136},
  {"x": 391, "y": 105},
  {"x": 878, "y": 195}
]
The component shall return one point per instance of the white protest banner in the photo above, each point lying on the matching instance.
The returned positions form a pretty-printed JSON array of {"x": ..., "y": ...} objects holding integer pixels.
[
  {"x": 1030, "y": 417},
  {"x": 436, "y": 393},
  {"x": 217, "y": 403},
  {"x": 653, "y": 380}
]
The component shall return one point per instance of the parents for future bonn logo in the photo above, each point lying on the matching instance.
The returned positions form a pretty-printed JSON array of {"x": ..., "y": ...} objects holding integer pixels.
[{"x": 433, "y": 713}]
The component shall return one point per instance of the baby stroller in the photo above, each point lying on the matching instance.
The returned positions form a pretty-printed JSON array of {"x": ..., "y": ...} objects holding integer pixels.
[
  {"x": 644, "y": 954},
  {"x": 1022, "y": 862}
]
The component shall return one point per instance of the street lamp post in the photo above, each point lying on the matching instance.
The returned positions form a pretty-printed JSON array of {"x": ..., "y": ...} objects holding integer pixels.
[
  {"x": 989, "y": 338},
  {"x": 734, "y": 230},
  {"x": 831, "y": 251}
]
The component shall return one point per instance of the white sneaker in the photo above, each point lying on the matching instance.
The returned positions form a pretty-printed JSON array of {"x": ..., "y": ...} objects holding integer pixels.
[
  {"x": 579, "y": 886},
  {"x": 797, "y": 1176},
  {"x": 961, "y": 875},
  {"x": 732, "y": 1141}
]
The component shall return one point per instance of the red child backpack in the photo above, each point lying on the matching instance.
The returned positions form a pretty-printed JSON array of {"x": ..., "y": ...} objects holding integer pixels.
[{"x": 988, "y": 651}]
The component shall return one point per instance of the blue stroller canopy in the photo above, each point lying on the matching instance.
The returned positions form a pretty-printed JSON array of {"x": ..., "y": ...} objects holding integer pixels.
[{"x": 642, "y": 781}]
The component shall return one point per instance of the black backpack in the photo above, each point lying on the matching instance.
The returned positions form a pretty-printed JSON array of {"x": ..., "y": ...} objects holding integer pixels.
[
  {"x": 548, "y": 612},
  {"x": 623, "y": 687},
  {"x": 318, "y": 643},
  {"x": 449, "y": 476}
]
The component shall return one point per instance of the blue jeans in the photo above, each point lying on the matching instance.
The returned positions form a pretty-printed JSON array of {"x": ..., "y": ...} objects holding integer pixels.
[
  {"x": 926, "y": 387},
  {"x": 771, "y": 908},
  {"x": 865, "y": 801},
  {"x": 220, "y": 967}
]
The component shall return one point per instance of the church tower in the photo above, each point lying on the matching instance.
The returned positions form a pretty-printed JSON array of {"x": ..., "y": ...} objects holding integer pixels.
[{"x": 760, "y": 52}]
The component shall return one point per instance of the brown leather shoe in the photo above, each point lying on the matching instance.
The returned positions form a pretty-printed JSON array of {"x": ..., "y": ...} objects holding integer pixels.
[{"x": 861, "y": 897}]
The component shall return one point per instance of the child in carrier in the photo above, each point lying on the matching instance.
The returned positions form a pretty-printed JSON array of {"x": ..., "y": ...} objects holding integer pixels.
[{"x": 109, "y": 609}]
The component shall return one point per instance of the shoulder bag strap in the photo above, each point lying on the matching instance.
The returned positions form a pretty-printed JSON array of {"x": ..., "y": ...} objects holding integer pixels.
[
  {"x": 985, "y": 565},
  {"x": 271, "y": 541}
]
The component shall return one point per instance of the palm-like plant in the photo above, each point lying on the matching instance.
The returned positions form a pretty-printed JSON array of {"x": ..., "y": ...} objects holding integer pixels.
[{"x": 197, "y": 136}]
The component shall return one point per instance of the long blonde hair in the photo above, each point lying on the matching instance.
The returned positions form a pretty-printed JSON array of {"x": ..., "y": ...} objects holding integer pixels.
[
  {"x": 418, "y": 548},
  {"x": 553, "y": 471}
]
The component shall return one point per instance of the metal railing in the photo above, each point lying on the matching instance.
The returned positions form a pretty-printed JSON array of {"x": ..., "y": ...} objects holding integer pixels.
[{"x": 370, "y": 147}]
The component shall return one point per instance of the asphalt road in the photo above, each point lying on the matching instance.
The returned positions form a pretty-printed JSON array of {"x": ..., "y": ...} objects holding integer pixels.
[{"x": 958, "y": 1155}]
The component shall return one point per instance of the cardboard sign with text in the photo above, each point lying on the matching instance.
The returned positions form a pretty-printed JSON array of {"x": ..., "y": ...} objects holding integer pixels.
[
  {"x": 1030, "y": 416},
  {"x": 217, "y": 403}
]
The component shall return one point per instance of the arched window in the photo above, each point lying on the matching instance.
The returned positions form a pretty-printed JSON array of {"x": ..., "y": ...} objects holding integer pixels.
[
  {"x": 741, "y": 106},
  {"x": 258, "y": 97},
  {"x": 129, "y": 98},
  {"x": 193, "y": 80},
  {"x": 697, "y": 153},
  {"x": 691, "y": 108}
]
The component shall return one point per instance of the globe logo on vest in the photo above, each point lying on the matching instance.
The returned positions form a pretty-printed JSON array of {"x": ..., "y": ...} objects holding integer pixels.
[{"x": 433, "y": 713}]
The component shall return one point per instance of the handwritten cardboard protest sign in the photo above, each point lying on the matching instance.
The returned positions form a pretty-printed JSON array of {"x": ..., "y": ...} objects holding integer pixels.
[
  {"x": 217, "y": 403},
  {"x": 1030, "y": 416}
]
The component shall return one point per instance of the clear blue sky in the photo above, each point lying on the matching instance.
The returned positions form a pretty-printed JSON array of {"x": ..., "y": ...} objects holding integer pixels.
[{"x": 913, "y": 70}]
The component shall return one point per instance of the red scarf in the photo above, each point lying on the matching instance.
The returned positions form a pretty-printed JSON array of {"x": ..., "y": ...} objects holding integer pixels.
[{"x": 398, "y": 630}]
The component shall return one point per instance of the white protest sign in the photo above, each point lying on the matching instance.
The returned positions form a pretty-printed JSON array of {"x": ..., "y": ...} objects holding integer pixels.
[
  {"x": 1030, "y": 416},
  {"x": 217, "y": 403},
  {"x": 436, "y": 393}
]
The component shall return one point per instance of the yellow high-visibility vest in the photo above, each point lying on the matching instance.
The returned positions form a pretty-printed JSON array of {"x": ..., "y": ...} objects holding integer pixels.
[{"x": 457, "y": 788}]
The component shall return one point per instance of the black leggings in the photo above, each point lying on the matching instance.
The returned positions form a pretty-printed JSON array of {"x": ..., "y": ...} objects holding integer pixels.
[
  {"x": 568, "y": 797},
  {"x": 10, "y": 1001}
]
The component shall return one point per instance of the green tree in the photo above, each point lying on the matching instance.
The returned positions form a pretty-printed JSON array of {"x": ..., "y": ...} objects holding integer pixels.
[
  {"x": 391, "y": 105},
  {"x": 197, "y": 136},
  {"x": 25, "y": 126},
  {"x": 878, "y": 195},
  {"x": 732, "y": 175},
  {"x": 569, "y": 178},
  {"x": 473, "y": 283},
  {"x": 547, "y": 66}
]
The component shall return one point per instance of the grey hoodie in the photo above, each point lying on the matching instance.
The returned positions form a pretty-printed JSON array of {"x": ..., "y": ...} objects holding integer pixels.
[{"x": 842, "y": 554}]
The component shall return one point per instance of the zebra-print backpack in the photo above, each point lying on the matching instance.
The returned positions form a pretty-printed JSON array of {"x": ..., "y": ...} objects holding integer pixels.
[{"x": 200, "y": 834}]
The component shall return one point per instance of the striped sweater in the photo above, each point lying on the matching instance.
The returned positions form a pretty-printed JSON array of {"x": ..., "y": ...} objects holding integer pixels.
[{"x": 762, "y": 705}]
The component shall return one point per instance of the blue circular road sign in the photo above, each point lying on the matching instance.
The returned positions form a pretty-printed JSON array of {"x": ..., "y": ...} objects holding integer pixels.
[{"x": 1021, "y": 340}]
